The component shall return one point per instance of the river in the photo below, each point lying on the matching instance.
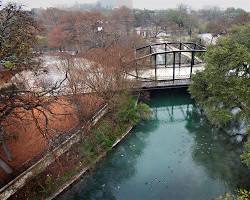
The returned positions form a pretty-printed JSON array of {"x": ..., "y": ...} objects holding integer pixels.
[{"x": 176, "y": 155}]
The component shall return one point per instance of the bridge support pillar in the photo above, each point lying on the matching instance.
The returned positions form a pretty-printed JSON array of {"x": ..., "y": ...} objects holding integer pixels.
[
  {"x": 155, "y": 59},
  {"x": 136, "y": 70},
  {"x": 150, "y": 52},
  {"x": 195, "y": 46},
  {"x": 192, "y": 64},
  {"x": 180, "y": 55},
  {"x": 165, "y": 55},
  {"x": 173, "y": 65}
]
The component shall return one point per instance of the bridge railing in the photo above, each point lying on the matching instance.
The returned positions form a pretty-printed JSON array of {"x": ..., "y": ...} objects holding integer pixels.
[
  {"x": 171, "y": 56},
  {"x": 179, "y": 45}
]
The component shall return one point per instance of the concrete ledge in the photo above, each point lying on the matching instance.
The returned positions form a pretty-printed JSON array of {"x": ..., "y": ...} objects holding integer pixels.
[{"x": 90, "y": 166}]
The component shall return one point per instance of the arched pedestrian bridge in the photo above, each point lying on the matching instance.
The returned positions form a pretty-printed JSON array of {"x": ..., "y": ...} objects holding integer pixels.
[{"x": 167, "y": 64}]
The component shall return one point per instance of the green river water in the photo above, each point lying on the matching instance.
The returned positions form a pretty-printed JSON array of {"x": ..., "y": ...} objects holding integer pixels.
[{"x": 176, "y": 155}]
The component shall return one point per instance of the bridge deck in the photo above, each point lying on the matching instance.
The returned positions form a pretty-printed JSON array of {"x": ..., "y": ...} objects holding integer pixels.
[
  {"x": 165, "y": 73},
  {"x": 151, "y": 85}
]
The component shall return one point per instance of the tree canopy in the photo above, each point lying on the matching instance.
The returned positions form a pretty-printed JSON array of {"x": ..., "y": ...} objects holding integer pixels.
[
  {"x": 17, "y": 37},
  {"x": 223, "y": 89},
  {"x": 224, "y": 85}
]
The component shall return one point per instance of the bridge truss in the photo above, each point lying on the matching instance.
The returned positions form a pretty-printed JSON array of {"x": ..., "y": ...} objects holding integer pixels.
[{"x": 167, "y": 63}]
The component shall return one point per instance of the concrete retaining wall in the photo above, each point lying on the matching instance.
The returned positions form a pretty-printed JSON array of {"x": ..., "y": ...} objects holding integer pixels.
[{"x": 92, "y": 165}]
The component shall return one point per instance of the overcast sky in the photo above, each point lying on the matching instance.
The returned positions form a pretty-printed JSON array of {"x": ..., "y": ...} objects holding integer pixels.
[{"x": 149, "y": 4}]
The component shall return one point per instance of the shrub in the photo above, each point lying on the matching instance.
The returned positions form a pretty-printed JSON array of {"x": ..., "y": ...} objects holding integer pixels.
[
  {"x": 128, "y": 112},
  {"x": 88, "y": 150},
  {"x": 131, "y": 112},
  {"x": 144, "y": 111},
  {"x": 246, "y": 155},
  {"x": 241, "y": 195}
]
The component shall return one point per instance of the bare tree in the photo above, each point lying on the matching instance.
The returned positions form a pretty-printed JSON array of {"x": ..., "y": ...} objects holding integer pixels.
[
  {"x": 101, "y": 71},
  {"x": 57, "y": 38},
  {"x": 18, "y": 31},
  {"x": 122, "y": 21}
]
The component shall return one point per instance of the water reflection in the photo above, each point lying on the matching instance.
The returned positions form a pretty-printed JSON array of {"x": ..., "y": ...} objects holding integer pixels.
[
  {"x": 105, "y": 180},
  {"x": 176, "y": 155},
  {"x": 217, "y": 152}
]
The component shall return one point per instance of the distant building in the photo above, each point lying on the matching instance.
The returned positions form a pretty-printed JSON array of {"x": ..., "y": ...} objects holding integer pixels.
[
  {"x": 116, "y": 3},
  {"x": 127, "y": 3}
]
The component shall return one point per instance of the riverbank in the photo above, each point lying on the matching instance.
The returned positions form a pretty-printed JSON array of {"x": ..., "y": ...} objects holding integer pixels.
[
  {"x": 83, "y": 156},
  {"x": 176, "y": 148}
]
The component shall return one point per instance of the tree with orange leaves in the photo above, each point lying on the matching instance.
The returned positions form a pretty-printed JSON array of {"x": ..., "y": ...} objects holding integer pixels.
[{"x": 57, "y": 38}]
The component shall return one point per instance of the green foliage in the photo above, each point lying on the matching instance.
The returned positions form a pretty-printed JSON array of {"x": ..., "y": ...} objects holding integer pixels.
[
  {"x": 241, "y": 35},
  {"x": 17, "y": 38},
  {"x": 128, "y": 112},
  {"x": 241, "y": 195},
  {"x": 224, "y": 84},
  {"x": 64, "y": 178},
  {"x": 49, "y": 184},
  {"x": 246, "y": 155},
  {"x": 131, "y": 112},
  {"x": 144, "y": 111},
  {"x": 125, "y": 113},
  {"x": 226, "y": 197},
  {"x": 8, "y": 65},
  {"x": 102, "y": 135},
  {"x": 177, "y": 17},
  {"x": 88, "y": 150},
  {"x": 101, "y": 138}
]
